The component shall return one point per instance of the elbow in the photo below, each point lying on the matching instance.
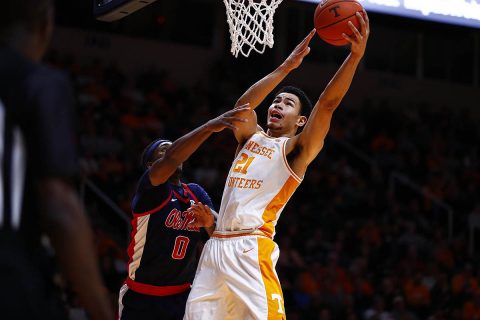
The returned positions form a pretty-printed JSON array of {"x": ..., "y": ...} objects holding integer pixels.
[{"x": 330, "y": 105}]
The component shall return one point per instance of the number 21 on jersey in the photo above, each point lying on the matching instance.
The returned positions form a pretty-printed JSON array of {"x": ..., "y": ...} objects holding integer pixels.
[{"x": 241, "y": 166}]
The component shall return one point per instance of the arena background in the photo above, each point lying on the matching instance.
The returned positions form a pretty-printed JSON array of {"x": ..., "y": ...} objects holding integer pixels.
[{"x": 383, "y": 227}]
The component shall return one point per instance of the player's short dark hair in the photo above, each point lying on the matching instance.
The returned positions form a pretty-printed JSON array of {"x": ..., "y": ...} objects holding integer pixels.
[
  {"x": 305, "y": 103},
  {"x": 149, "y": 151},
  {"x": 30, "y": 14}
]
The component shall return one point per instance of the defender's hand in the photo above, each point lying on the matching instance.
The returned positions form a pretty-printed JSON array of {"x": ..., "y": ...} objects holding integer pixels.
[
  {"x": 360, "y": 38},
  {"x": 295, "y": 58},
  {"x": 202, "y": 215},
  {"x": 229, "y": 119}
]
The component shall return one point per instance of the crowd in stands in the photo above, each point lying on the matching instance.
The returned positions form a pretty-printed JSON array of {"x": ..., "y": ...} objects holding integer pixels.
[{"x": 354, "y": 243}]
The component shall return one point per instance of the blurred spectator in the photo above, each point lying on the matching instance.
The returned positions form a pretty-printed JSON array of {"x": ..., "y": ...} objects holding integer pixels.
[{"x": 399, "y": 310}]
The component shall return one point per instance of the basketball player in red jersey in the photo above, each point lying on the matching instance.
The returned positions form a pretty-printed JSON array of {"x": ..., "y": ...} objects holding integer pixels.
[{"x": 236, "y": 276}]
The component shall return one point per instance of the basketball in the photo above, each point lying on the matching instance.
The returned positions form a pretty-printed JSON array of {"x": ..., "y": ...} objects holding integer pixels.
[{"x": 331, "y": 20}]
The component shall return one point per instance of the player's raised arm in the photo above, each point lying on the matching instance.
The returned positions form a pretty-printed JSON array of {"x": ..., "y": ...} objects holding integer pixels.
[
  {"x": 262, "y": 88},
  {"x": 182, "y": 148},
  {"x": 311, "y": 140}
]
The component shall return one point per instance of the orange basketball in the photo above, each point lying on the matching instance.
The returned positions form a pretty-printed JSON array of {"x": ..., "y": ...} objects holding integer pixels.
[{"x": 332, "y": 17}]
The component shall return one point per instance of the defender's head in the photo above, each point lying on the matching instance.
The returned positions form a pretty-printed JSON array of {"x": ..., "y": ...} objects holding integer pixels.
[
  {"x": 289, "y": 110},
  {"x": 26, "y": 26},
  {"x": 155, "y": 151}
]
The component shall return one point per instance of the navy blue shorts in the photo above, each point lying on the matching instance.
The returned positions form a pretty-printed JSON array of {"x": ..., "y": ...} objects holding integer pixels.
[{"x": 137, "y": 306}]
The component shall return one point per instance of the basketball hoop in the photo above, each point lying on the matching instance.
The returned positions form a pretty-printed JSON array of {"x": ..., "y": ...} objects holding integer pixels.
[{"x": 251, "y": 24}]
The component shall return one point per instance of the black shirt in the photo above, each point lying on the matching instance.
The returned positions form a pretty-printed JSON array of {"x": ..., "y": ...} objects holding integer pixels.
[
  {"x": 36, "y": 135},
  {"x": 36, "y": 141}
]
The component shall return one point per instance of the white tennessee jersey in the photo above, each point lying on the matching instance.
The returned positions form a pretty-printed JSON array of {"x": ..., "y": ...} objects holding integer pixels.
[{"x": 259, "y": 184}]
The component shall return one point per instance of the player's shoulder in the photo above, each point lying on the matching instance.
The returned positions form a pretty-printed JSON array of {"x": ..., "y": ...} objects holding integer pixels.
[
  {"x": 201, "y": 194},
  {"x": 145, "y": 187},
  {"x": 195, "y": 187},
  {"x": 258, "y": 132},
  {"x": 144, "y": 182},
  {"x": 198, "y": 189}
]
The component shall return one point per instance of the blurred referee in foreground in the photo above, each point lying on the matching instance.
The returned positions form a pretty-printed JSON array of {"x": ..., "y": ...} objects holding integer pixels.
[{"x": 37, "y": 160}]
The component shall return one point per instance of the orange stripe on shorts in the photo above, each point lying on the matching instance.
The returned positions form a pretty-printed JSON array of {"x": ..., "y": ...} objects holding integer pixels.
[{"x": 273, "y": 290}]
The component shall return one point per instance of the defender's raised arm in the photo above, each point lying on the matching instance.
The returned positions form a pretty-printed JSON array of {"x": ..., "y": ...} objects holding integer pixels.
[{"x": 184, "y": 147}]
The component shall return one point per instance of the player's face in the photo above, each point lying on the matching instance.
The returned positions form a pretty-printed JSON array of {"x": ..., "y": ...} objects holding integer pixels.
[{"x": 284, "y": 113}]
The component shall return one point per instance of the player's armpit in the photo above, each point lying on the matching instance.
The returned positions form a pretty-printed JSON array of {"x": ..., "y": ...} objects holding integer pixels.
[{"x": 310, "y": 141}]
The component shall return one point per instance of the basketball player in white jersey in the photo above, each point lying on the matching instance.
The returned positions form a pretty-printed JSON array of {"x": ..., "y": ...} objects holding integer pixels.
[{"x": 236, "y": 276}]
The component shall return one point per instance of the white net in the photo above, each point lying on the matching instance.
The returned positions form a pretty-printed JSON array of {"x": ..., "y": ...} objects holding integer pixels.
[{"x": 251, "y": 24}]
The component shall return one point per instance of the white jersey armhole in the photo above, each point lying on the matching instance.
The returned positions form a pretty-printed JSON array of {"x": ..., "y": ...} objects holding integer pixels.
[{"x": 287, "y": 166}]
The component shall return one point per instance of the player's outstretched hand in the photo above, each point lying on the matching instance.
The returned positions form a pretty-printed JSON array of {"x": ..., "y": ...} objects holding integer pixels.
[
  {"x": 295, "y": 58},
  {"x": 359, "y": 38},
  {"x": 202, "y": 215},
  {"x": 229, "y": 119}
]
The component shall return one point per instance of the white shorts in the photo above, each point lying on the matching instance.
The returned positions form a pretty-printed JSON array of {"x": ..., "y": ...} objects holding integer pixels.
[
  {"x": 123, "y": 290},
  {"x": 236, "y": 279}
]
